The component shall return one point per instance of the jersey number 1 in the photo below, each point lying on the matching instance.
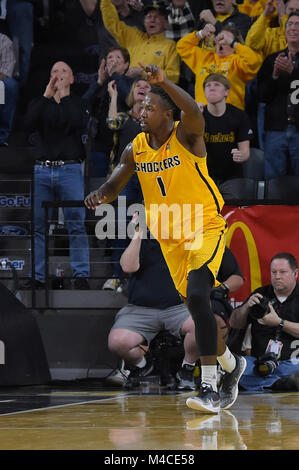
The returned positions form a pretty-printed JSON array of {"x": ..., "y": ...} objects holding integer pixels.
[{"x": 161, "y": 185}]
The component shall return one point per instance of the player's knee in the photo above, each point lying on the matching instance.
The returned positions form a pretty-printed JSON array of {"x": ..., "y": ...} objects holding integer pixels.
[
  {"x": 200, "y": 282},
  {"x": 197, "y": 297},
  {"x": 198, "y": 293}
]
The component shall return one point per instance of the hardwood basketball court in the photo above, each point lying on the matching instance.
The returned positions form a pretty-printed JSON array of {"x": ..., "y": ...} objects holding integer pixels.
[{"x": 89, "y": 416}]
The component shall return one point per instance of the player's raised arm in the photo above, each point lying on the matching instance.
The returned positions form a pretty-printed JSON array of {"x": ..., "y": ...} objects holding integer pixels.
[
  {"x": 117, "y": 181},
  {"x": 191, "y": 116}
]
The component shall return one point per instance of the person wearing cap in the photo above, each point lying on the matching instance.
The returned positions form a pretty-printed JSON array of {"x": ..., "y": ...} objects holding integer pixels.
[
  {"x": 227, "y": 131},
  {"x": 150, "y": 47}
]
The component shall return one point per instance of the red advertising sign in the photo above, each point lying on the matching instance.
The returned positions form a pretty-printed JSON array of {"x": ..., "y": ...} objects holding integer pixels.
[{"x": 255, "y": 235}]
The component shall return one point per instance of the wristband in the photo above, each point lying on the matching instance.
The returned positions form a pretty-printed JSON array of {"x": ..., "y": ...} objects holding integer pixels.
[
  {"x": 199, "y": 34},
  {"x": 281, "y": 324},
  {"x": 233, "y": 43},
  {"x": 225, "y": 287}
]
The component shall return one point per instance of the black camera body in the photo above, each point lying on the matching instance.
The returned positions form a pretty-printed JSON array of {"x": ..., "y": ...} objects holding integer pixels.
[
  {"x": 266, "y": 364},
  {"x": 260, "y": 310}
]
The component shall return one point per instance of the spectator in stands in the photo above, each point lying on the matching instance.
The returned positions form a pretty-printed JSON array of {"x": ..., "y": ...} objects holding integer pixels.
[
  {"x": 277, "y": 82},
  {"x": 130, "y": 16},
  {"x": 113, "y": 67},
  {"x": 232, "y": 58},
  {"x": 150, "y": 47},
  {"x": 223, "y": 13},
  {"x": 227, "y": 131},
  {"x": 59, "y": 120},
  {"x": 20, "y": 23},
  {"x": 273, "y": 313},
  {"x": 265, "y": 39},
  {"x": 4, "y": 29},
  {"x": 9, "y": 89},
  {"x": 126, "y": 126},
  {"x": 180, "y": 20}
]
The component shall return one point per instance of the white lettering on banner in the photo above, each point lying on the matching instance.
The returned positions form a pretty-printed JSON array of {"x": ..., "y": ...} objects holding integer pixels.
[
  {"x": 6, "y": 264},
  {"x": 294, "y": 95},
  {"x": 165, "y": 222},
  {"x": 2, "y": 353},
  {"x": 15, "y": 201},
  {"x": 295, "y": 353},
  {"x": 105, "y": 228}
]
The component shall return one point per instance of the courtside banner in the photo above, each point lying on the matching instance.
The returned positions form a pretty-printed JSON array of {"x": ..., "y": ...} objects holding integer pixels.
[{"x": 255, "y": 234}]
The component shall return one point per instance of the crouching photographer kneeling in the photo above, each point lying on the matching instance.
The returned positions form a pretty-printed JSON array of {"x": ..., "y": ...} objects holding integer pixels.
[{"x": 271, "y": 315}]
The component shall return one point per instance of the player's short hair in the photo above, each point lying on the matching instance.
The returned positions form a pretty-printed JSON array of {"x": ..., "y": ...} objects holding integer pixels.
[
  {"x": 166, "y": 100},
  {"x": 217, "y": 77}
]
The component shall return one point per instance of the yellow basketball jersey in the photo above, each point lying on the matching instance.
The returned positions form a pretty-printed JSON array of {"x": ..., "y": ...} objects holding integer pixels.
[{"x": 180, "y": 197}]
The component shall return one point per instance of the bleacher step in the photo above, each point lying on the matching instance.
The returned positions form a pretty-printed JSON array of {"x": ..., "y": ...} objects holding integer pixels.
[{"x": 73, "y": 299}]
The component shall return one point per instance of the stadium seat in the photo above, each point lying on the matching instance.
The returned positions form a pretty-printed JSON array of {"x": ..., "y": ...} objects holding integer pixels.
[
  {"x": 239, "y": 191},
  {"x": 283, "y": 190},
  {"x": 254, "y": 166}
]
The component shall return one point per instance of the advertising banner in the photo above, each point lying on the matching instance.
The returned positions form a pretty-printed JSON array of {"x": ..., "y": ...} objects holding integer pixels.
[{"x": 255, "y": 235}]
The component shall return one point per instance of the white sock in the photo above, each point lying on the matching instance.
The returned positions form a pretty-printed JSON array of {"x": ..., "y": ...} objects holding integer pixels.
[
  {"x": 142, "y": 363},
  {"x": 209, "y": 376},
  {"x": 189, "y": 363},
  {"x": 227, "y": 360}
]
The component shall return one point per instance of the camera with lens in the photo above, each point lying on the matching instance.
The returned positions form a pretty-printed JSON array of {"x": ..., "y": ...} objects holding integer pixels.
[
  {"x": 261, "y": 309},
  {"x": 266, "y": 364}
]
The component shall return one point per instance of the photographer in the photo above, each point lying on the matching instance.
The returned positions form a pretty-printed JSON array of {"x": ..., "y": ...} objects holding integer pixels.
[{"x": 273, "y": 313}]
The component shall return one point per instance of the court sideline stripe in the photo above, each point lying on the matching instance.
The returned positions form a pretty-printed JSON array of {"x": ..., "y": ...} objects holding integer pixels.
[
  {"x": 65, "y": 405},
  {"x": 73, "y": 404}
]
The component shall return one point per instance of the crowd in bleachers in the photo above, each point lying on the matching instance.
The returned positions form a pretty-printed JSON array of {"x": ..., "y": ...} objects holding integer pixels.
[
  {"x": 252, "y": 131},
  {"x": 251, "y": 43},
  {"x": 239, "y": 60}
]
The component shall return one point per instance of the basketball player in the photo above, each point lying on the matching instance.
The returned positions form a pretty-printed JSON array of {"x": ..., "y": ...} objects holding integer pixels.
[{"x": 170, "y": 160}]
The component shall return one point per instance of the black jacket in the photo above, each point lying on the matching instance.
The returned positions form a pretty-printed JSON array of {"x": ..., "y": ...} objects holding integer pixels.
[
  {"x": 58, "y": 127},
  {"x": 261, "y": 334},
  {"x": 277, "y": 93}
]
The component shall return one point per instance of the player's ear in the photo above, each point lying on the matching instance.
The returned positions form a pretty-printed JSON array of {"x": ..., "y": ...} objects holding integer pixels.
[{"x": 169, "y": 113}]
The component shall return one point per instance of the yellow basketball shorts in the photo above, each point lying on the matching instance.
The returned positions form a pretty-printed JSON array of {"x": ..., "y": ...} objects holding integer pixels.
[{"x": 181, "y": 261}]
